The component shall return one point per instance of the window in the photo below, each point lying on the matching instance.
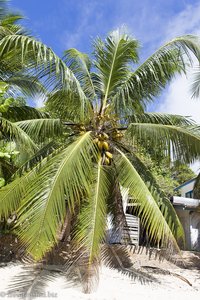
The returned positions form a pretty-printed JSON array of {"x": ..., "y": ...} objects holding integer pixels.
[{"x": 189, "y": 194}]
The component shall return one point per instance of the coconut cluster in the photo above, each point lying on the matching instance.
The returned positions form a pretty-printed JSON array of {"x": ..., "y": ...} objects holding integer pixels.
[{"x": 102, "y": 142}]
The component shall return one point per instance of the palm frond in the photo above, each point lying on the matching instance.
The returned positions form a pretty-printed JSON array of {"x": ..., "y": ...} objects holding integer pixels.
[
  {"x": 41, "y": 129},
  {"x": 10, "y": 19},
  {"x": 80, "y": 65},
  {"x": 48, "y": 64},
  {"x": 91, "y": 227},
  {"x": 148, "y": 209},
  {"x": 112, "y": 58},
  {"x": 15, "y": 113},
  {"x": 66, "y": 104},
  {"x": 160, "y": 197},
  {"x": 12, "y": 194},
  {"x": 12, "y": 131},
  {"x": 43, "y": 208},
  {"x": 195, "y": 86},
  {"x": 42, "y": 153},
  {"x": 28, "y": 85},
  {"x": 180, "y": 142},
  {"x": 160, "y": 118},
  {"x": 151, "y": 77},
  {"x": 5, "y": 106}
]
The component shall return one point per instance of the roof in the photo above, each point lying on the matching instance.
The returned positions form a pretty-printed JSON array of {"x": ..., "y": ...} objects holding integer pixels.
[
  {"x": 185, "y": 183},
  {"x": 185, "y": 202}
]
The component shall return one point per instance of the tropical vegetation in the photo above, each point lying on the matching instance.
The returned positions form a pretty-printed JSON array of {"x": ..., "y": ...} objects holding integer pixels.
[
  {"x": 169, "y": 174},
  {"x": 85, "y": 151}
]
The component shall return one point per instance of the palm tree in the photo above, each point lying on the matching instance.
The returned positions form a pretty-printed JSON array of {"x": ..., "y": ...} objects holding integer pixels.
[
  {"x": 101, "y": 125},
  {"x": 13, "y": 71},
  {"x": 14, "y": 82},
  {"x": 12, "y": 110}
]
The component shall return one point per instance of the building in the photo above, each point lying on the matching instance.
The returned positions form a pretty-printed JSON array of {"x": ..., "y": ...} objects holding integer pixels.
[
  {"x": 188, "y": 211},
  {"x": 186, "y": 189}
]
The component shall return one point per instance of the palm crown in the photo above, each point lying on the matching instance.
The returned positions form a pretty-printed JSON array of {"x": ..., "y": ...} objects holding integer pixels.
[{"x": 99, "y": 125}]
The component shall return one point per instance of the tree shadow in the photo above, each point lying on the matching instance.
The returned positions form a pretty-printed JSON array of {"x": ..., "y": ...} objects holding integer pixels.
[
  {"x": 72, "y": 266},
  {"x": 31, "y": 282},
  {"x": 118, "y": 257},
  {"x": 191, "y": 260}
]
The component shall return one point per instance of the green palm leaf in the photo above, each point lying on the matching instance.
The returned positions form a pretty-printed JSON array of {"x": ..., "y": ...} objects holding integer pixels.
[
  {"x": 14, "y": 132},
  {"x": 42, "y": 155},
  {"x": 161, "y": 198},
  {"x": 13, "y": 193},
  {"x": 43, "y": 208},
  {"x": 112, "y": 58},
  {"x": 180, "y": 142},
  {"x": 149, "y": 210},
  {"x": 28, "y": 85},
  {"x": 48, "y": 64},
  {"x": 151, "y": 77},
  {"x": 91, "y": 227},
  {"x": 41, "y": 129},
  {"x": 195, "y": 86},
  {"x": 10, "y": 19},
  {"x": 160, "y": 118},
  {"x": 67, "y": 105},
  {"x": 80, "y": 65},
  {"x": 15, "y": 113}
]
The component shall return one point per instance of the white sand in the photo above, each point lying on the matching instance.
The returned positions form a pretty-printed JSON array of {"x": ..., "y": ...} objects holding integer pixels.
[{"x": 112, "y": 286}]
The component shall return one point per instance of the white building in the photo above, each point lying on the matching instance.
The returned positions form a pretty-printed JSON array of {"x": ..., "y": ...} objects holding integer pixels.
[
  {"x": 188, "y": 211},
  {"x": 186, "y": 189}
]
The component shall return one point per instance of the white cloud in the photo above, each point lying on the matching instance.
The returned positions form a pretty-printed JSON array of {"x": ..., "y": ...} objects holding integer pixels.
[
  {"x": 86, "y": 27},
  {"x": 38, "y": 101},
  {"x": 177, "y": 99},
  {"x": 186, "y": 22}
]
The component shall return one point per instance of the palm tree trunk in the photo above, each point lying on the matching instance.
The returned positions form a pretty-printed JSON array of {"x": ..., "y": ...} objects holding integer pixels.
[
  {"x": 119, "y": 221},
  {"x": 66, "y": 227}
]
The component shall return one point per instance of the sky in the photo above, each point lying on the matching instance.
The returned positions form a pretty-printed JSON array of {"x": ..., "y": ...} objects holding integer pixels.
[{"x": 64, "y": 24}]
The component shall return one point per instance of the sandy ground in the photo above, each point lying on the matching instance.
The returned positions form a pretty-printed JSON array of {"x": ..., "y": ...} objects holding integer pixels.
[{"x": 113, "y": 285}]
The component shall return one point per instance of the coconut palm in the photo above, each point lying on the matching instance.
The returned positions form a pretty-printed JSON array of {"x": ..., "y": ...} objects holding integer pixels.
[
  {"x": 99, "y": 124},
  {"x": 14, "y": 82},
  {"x": 13, "y": 138},
  {"x": 13, "y": 71}
]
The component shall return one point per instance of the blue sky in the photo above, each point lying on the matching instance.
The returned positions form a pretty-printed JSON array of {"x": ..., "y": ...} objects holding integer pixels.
[
  {"x": 63, "y": 24},
  {"x": 73, "y": 23}
]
